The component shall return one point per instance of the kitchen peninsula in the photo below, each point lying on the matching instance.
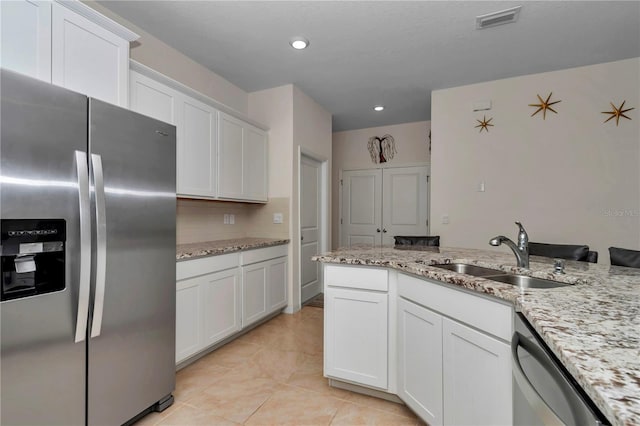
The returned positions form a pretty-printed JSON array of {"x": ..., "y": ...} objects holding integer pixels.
[{"x": 592, "y": 325}]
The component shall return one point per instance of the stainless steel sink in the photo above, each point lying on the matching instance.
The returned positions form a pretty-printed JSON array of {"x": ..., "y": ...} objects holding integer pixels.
[
  {"x": 463, "y": 268},
  {"x": 524, "y": 281}
]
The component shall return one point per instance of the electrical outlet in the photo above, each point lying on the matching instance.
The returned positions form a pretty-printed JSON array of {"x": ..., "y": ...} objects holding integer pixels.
[
  {"x": 278, "y": 218},
  {"x": 232, "y": 219},
  {"x": 445, "y": 219},
  {"x": 481, "y": 187},
  {"x": 226, "y": 219}
]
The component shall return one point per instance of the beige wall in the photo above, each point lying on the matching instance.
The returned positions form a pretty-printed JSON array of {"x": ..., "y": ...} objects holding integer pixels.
[
  {"x": 311, "y": 136},
  {"x": 570, "y": 178},
  {"x": 163, "y": 58},
  {"x": 350, "y": 152},
  {"x": 294, "y": 120}
]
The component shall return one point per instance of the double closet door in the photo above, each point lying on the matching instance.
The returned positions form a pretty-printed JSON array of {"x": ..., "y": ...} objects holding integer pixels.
[{"x": 380, "y": 203}]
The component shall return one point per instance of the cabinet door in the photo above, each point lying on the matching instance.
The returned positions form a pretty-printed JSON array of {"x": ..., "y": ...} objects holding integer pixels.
[
  {"x": 196, "y": 154},
  {"x": 356, "y": 336},
  {"x": 277, "y": 296},
  {"x": 254, "y": 292},
  {"x": 153, "y": 99},
  {"x": 221, "y": 305},
  {"x": 254, "y": 164},
  {"x": 87, "y": 58},
  {"x": 477, "y": 377},
  {"x": 420, "y": 360},
  {"x": 188, "y": 318},
  {"x": 230, "y": 151},
  {"x": 25, "y": 34}
]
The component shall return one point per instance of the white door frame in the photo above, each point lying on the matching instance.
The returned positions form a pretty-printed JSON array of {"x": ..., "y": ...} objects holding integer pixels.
[
  {"x": 382, "y": 166},
  {"x": 323, "y": 237}
]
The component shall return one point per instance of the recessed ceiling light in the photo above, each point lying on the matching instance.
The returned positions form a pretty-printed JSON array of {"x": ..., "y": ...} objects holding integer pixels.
[
  {"x": 299, "y": 43},
  {"x": 378, "y": 108}
]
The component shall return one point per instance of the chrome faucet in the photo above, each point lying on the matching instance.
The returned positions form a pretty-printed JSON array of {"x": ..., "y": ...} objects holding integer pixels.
[{"x": 521, "y": 250}]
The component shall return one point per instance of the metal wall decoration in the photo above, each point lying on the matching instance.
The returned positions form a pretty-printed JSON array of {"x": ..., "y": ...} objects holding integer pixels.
[
  {"x": 617, "y": 112},
  {"x": 544, "y": 105},
  {"x": 381, "y": 149},
  {"x": 484, "y": 123}
]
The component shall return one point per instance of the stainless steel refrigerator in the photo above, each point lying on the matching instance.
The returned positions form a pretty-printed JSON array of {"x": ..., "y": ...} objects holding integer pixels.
[{"x": 88, "y": 209}]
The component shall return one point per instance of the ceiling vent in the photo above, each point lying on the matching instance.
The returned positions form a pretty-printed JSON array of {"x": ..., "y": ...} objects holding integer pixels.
[{"x": 494, "y": 19}]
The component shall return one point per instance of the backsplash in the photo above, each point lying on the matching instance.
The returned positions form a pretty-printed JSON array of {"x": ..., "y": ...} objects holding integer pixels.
[{"x": 200, "y": 220}]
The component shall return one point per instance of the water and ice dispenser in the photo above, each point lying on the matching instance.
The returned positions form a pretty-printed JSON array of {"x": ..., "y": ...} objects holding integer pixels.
[{"x": 33, "y": 257}]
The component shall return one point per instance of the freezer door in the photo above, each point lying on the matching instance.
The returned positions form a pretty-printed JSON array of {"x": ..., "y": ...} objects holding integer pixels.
[
  {"x": 132, "y": 345},
  {"x": 42, "y": 368}
]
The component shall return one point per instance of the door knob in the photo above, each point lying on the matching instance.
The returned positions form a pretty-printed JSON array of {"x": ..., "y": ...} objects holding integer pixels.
[
  {"x": 384, "y": 230},
  {"x": 378, "y": 230}
]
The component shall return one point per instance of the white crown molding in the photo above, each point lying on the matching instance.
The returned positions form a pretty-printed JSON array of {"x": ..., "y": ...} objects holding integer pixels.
[
  {"x": 176, "y": 85},
  {"x": 93, "y": 15}
]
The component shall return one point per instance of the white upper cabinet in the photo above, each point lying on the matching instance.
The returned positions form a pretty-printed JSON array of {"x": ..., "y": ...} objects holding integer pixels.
[
  {"x": 69, "y": 44},
  {"x": 26, "y": 37},
  {"x": 218, "y": 155},
  {"x": 197, "y": 149},
  {"x": 242, "y": 160},
  {"x": 196, "y": 125},
  {"x": 230, "y": 163},
  {"x": 154, "y": 99}
]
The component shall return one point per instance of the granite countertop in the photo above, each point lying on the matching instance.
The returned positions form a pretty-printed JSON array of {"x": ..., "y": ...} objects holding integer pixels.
[
  {"x": 213, "y": 248},
  {"x": 593, "y": 327}
]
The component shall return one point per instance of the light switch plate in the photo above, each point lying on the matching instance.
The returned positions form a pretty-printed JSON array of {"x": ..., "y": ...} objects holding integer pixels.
[
  {"x": 226, "y": 219},
  {"x": 277, "y": 218},
  {"x": 232, "y": 219}
]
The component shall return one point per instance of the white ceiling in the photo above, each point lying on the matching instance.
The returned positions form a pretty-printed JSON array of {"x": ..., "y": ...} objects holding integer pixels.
[{"x": 394, "y": 53}]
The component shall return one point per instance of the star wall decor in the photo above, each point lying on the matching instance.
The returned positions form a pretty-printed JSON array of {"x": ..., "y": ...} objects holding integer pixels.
[
  {"x": 484, "y": 124},
  {"x": 617, "y": 112},
  {"x": 544, "y": 105}
]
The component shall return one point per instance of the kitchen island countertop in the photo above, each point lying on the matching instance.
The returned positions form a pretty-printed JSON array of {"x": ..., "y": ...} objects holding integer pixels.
[
  {"x": 593, "y": 326},
  {"x": 214, "y": 248}
]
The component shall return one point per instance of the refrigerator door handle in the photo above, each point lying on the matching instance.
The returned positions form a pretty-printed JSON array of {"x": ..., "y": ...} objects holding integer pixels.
[
  {"x": 85, "y": 246},
  {"x": 101, "y": 244},
  {"x": 548, "y": 416}
]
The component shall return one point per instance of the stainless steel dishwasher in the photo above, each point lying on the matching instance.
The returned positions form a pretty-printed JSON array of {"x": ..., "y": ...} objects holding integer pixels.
[{"x": 544, "y": 393}]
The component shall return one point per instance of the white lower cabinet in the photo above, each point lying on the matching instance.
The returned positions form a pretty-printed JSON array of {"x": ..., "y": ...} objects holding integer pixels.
[
  {"x": 447, "y": 350},
  {"x": 207, "y": 311},
  {"x": 188, "y": 314},
  {"x": 356, "y": 325},
  {"x": 254, "y": 292},
  {"x": 218, "y": 296},
  {"x": 221, "y": 297},
  {"x": 264, "y": 283},
  {"x": 477, "y": 377},
  {"x": 420, "y": 360},
  {"x": 356, "y": 347}
]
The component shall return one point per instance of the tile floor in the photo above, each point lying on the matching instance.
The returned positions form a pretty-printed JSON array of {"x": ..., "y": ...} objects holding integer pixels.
[{"x": 272, "y": 376}]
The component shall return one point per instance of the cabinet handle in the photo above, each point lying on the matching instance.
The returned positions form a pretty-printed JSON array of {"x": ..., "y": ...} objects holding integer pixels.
[
  {"x": 384, "y": 230},
  {"x": 378, "y": 230}
]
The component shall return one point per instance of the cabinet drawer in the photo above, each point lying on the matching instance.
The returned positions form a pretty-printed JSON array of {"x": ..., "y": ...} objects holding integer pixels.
[
  {"x": 491, "y": 317},
  {"x": 356, "y": 277},
  {"x": 260, "y": 255},
  {"x": 206, "y": 265}
]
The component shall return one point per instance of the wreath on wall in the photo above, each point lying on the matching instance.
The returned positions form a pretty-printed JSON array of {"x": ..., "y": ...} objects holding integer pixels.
[{"x": 381, "y": 149}]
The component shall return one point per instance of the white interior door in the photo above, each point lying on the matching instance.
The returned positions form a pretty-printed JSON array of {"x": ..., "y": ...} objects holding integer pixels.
[
  {"x": 310, "y": 226},
  {"x": 361, "y": 207},
  {"x": 404, "y": 202}
]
